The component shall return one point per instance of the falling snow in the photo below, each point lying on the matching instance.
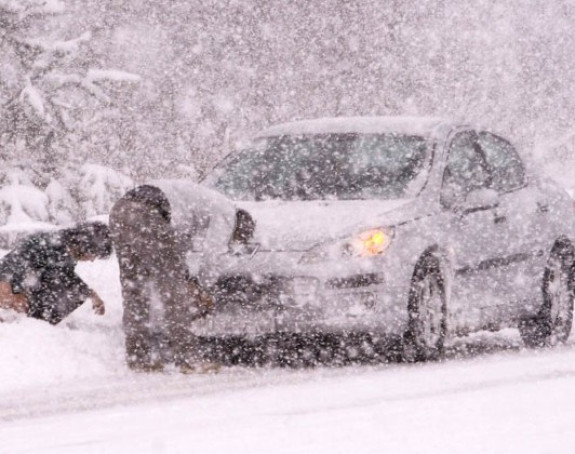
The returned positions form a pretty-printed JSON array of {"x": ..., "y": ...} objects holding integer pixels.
[{"x": 99, "y": 96}]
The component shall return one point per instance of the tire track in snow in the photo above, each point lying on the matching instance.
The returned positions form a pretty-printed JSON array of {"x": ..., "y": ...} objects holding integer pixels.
[{"x": 134, "y": 389}]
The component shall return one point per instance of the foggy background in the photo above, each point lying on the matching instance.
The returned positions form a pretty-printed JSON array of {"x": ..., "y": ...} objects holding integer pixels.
[{"x": 140, "y": 90}]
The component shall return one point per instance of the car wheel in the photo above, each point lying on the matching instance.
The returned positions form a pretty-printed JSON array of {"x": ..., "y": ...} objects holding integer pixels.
[
  {"x": 425, "y": 336},
  {"x": 552, "y": 325}
]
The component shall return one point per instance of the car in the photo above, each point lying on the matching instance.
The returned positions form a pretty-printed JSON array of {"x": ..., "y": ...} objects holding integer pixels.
[{"x": 417, "y": 229}]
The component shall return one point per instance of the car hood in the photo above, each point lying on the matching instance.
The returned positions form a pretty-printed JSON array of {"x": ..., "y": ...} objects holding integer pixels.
[{"x": 297, "y": 226}]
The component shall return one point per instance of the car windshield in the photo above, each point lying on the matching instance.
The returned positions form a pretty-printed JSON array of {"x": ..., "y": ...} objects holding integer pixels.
[{"x": 327, "y": 166}]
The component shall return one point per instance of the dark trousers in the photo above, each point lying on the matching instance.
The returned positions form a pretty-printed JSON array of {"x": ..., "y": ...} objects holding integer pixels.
[{"x": 152, "y": 271}]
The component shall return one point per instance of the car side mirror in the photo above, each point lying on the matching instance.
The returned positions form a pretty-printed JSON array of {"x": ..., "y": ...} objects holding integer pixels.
[{"x": 480, "y": 199}]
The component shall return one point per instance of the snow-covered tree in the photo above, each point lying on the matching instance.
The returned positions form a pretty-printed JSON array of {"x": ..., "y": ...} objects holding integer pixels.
[
  {"x": 59, "y": 110},
  {"x": 97, "y": 189},
  {"x": 50, "y": 95}
]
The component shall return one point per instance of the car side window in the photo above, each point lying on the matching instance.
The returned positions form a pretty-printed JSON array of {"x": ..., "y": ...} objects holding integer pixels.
[
  {"x": 507, "y": 171},
  {"x": 465, "y": 170}
]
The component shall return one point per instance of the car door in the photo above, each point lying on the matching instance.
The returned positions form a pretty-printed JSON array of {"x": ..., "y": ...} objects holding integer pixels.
[
  {"x": 473, "y": 233},
  {"x": 520, "y": 236}
]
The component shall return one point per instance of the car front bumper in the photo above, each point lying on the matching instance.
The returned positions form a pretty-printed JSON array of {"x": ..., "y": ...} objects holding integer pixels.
[{"x": 252, "y": 301}]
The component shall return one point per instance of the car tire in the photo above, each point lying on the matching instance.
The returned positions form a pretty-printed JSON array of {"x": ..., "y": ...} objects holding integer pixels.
[
  {"x": 552, "y": 324},
  {"x": 425, "y": 335}
]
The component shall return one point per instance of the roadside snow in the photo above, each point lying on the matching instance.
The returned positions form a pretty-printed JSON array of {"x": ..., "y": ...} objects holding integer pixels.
[{"x": 34, "y": 353}]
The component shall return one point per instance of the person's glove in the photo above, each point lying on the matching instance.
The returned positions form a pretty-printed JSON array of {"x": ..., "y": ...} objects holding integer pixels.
[
  {"x": 97, "y": 304},
  {"x": 203, "y": 300},
  {"x": 14, "y": 301},
  {"x": 206, "y": 301}
]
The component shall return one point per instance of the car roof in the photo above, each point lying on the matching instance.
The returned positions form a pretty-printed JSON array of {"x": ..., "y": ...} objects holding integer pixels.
[{"x": 423, "y": 126}]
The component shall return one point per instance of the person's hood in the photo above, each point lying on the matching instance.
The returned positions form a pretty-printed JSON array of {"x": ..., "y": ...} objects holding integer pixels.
[{"x": 298, "y": 226}]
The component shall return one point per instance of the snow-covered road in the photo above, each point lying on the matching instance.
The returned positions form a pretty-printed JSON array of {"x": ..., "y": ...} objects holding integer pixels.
[
  {"x": 503, "y": 402},
  {"x": 65, "y": 390}
]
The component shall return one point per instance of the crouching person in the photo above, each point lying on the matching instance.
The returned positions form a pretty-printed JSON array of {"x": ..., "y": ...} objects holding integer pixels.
[
  {"x": 38, "y": 277},
  {"x": 153, "y": 274}
]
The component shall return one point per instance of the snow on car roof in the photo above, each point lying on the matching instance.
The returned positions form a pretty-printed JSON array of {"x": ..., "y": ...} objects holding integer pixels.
[{"x": 365, "y": 125}]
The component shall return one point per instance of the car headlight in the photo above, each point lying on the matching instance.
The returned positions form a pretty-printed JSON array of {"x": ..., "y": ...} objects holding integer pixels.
[{"x": 368, "y": 243}]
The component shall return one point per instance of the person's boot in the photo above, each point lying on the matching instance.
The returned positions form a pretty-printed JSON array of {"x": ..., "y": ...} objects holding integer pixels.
[
  {"x": 139, "y": 356},
  {"x": 191, "y": 360},
  {"x": 200, "y": 367},
  {"x": 156, "y": 366}
]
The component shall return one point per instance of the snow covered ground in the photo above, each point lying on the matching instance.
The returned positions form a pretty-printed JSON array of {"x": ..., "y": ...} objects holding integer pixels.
[{"x": 65, "y": 389}]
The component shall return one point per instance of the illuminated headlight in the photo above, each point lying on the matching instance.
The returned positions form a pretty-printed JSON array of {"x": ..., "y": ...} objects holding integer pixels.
[{"x": 368, "y": 243}]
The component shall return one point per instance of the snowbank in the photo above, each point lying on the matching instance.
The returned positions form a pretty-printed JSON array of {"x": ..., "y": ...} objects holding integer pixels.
[
  {"x": 35, "y": 354},
  {"x": 21, "y": 204},
  {"x": 85, "y": 194},
  {"x": 23, "y": 210}
]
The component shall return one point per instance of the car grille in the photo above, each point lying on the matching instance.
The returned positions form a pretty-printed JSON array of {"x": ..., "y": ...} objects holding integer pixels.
[
  {"x": 247, "y": 290},
  {"x": 272, "y": 290},
  {"x": 358, "y": 281}
]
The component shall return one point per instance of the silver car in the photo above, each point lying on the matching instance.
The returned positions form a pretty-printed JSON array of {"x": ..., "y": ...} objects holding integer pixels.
[{"x": 412, "y": 228}]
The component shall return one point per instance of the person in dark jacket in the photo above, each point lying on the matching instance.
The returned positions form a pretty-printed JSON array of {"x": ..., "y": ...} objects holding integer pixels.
[
  {"x": 152, "y": 266},
  {"x": 38, "y": 277},
  {"x": 153, "y": 228}
]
